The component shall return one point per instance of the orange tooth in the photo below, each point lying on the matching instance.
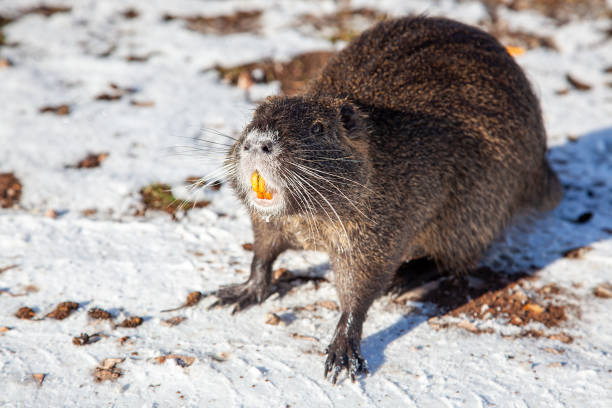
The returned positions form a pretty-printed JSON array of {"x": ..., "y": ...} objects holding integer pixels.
[
  {"x": 259, "y": 186},
  {"x": 254, "y": 181}
]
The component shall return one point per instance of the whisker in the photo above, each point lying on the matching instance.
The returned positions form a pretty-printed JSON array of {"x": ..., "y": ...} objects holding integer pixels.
[
  {"x": 217, "y": 132},
  {"x": 337, "y": 176},
  {"x": 318, "y": 177},
  {"x": 331, "y": 207}
]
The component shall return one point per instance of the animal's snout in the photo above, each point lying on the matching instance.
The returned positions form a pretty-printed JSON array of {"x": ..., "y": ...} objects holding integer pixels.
[
  {"x": 259, "y": 142},
  {"x": 266, "y": 146}
]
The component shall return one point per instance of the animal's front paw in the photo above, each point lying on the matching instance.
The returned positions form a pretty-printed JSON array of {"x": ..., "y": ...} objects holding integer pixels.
[
  {"x": 343, "y": 353},
  {"x": 241, "y": 295}
]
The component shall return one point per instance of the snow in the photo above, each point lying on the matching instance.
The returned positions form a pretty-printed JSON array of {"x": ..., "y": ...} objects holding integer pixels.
[{"x": 139, "y": 266}]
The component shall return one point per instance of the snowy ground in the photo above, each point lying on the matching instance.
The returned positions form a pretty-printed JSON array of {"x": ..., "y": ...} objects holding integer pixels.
[{"x": 137, "y": 266}]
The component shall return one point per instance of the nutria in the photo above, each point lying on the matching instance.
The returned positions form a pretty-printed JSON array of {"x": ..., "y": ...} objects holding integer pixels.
[{"x": 422, "y": 138}]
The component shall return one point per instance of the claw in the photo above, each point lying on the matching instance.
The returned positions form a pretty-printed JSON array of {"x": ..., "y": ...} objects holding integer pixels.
[
  {"x": 346, "y": 356},
  {"x": 239, "y": 296}
]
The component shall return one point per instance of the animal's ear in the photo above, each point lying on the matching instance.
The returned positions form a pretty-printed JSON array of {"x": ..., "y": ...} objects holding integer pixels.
[{"x": 351, "y": 119}]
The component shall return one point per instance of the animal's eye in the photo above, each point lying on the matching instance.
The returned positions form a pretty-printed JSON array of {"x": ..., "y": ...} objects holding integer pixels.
[{"x": 316, "y": 129}]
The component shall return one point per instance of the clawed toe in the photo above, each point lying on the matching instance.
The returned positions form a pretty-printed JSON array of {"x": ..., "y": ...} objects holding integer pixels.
[
  {"x": 241, "y": 296},
  {"x": 339, "y": 358}
]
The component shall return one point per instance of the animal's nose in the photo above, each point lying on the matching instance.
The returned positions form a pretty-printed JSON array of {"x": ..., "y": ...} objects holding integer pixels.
[{"x": 266, "y": 146}]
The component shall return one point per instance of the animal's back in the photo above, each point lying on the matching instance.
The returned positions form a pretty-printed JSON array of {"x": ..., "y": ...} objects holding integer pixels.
[{"x": 452, "y": 109}]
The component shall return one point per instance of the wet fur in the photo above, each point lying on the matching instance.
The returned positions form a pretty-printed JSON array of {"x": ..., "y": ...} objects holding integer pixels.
[{"x": 446, "y": 143}]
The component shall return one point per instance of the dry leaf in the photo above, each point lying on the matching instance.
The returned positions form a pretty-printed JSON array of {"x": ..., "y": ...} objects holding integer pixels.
[
  {"x": 108, "y": 97},
  {"x": 131, "y": 322},
  {"x": 245, "y": 81},
  {"x": 123, "y": 339},
  {"x": 183, "y": 361},
  {"x": 192, "y": 299},
  {"x": 10, "y": 190},
  {"x": 272, "y": 319},
  {"x": 63, "y": 310},
  {"x": 25, "y": 313},
  {"x": 577, "y": 253},
  {"x": 515, "y": 51},
  {"x": 60, "y": 110},
  {"x": 247, "y": 246},
  {"x": 579, "y": 85},
  {"x": 4, "y": 329},
  {"x": 142, "y": 104},
  {"x": 90, "y": 161},
  {"x": 39, "y": 378},
  {"x": 328, "y": 304},
  {"x": 111, "y": 362},
  {"x": 603, "y": 290},
  {"x": 562, "y": 337},
  {"x": 85, "y": 338},
  {"x": 533, "y": 308},
  {"x": 108, "y": 370},
  {"x": 5, "y": 63},
  {"x": 303, "y": 337},
  {"x": 174, "y": 321},
  {"x": 97, "y": 313},
  {"x": 6, "y": 268},
  {"x": 281, "y": 273}
]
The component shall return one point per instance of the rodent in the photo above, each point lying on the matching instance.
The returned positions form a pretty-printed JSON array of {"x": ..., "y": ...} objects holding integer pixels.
[{"x": 421, "y": 138}]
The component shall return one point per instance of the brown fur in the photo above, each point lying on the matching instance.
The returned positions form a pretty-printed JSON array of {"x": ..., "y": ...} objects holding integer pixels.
[{"x": 446, "y": 144}]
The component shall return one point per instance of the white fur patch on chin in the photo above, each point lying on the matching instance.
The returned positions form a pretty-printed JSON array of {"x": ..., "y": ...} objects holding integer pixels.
[{"x": 266, "y": 207}]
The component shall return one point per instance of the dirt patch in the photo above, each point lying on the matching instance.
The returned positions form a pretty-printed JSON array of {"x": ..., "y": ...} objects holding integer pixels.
[
  {"x": 342, "y": 25},
  {"x": 560, "y": 10},
  {"x": 10, "y": 190},
  {"x": 239, "y": 22},
  {"x": 293, "y": 75},
  {"x": 158, "y": 196},
  {"x": 90, "y": 161},
  {"x": 63, "y": 310},
  {"x": 519, "y": 304},
  {"x": 485, "y": 294}
]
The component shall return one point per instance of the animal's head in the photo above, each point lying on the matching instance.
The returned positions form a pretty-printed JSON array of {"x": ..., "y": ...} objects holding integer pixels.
[{"x": 300, "y": 155}]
